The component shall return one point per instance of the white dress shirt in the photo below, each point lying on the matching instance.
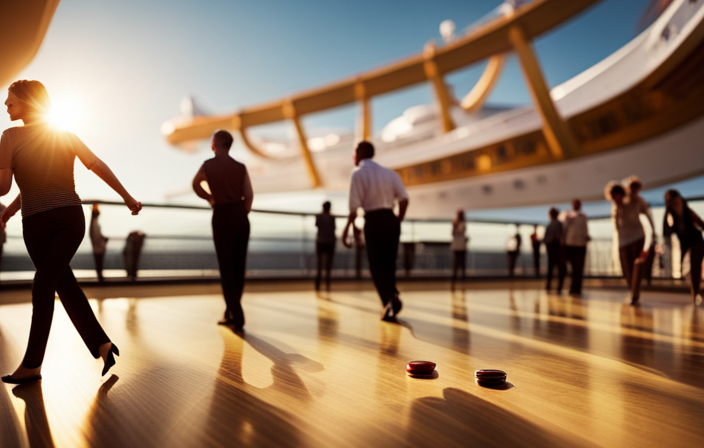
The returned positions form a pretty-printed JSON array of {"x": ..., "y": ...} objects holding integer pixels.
[
  {"x": 375, "y": 187},
  {"x": 576, "y": 230}
]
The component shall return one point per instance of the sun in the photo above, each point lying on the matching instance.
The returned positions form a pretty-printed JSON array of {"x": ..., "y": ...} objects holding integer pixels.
[{"x": 64, "y": 115}]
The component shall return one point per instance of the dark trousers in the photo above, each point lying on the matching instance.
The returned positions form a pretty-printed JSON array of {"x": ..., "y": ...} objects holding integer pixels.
[
  {"x": 628, "y": 255},
  {"x": 458, "y": 263},
  {"x": 555, "y": 259},
  {"x": 575, "y": 255},
  {"x": 99, "y": 258},
  {"x": 536, "y": 258},
  {"x": 511, "y": 258},
  {"x": 52, "y": 238},
  {"x": 696, "y": 254},
  {"x": 231, "y": 237},
  {"x": 382, "y": 231},
  {"x": 324, "y": 253}
]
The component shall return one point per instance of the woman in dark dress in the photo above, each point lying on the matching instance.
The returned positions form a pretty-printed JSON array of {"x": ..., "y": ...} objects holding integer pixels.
[
  {"x": 41, "y": 159},
  {"x": 681, "y": 220}
]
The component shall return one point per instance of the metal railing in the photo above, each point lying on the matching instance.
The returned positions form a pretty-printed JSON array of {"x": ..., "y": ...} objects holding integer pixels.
[{"x": 282, "y": 244}]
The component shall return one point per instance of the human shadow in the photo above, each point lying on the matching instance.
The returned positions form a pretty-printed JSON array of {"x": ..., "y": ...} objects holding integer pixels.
[
  {"x": 10, "y": 428},
  {"x": 35, "y": 419},
  {"x": 286, "y": 379},
  {"x": 237, "y": 416},
  {"x": 462, "y": 419}
]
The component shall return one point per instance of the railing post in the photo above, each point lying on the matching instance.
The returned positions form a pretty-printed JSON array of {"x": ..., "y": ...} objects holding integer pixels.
[
  {"x": 441, "y": 95},
  {"x": 290, "y": 113}
]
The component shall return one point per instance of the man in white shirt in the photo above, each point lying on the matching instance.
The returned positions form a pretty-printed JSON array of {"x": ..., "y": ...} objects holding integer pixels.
[
  {"x": 576, "y": 236},
  {"x": 377, "y": 190}
]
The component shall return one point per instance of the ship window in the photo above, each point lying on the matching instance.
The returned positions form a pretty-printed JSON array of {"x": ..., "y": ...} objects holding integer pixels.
[
  {"x": 487, "y": 189},
  {"x": 468, "y": 162},
  {"x": 418, "y": 171},
  {"x": 435, "y": 167},
  {"x": 526, "y": 147},
  {"x": 501, "y": 153}
]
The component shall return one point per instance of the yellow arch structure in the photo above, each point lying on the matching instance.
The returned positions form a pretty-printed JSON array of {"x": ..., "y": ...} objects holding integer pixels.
[
  {"x": 476, "y": 98},
  {"x": 509, "y": 33}
]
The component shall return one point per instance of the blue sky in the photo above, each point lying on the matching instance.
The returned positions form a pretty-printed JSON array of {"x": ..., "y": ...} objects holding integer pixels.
[{"x": 127, "y": 65}]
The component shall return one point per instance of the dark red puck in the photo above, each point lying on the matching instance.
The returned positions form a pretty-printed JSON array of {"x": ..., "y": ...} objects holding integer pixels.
[
  {"x": 490, "y": 376},
  {"x": 420, "y": 367}
]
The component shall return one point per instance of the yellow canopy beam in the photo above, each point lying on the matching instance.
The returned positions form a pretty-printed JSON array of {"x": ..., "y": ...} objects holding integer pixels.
[
  {"x": 476, "y": 98},
  {"x": 534, "y": 19},
  {"x": 559, "y": 136}
]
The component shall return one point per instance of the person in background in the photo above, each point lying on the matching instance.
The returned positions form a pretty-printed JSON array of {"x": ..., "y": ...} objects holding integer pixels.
[
  {"x": 324, "y": 245},
  {"x": 575, "y": 239},
  {"x": 513, "y": 251},
  {"x": 625, "y": 213},
  {"x": 535, "y": 242},
  {"x": 98, "y": 241},
  {"x": 633, "y": 187},
  {"x": 377, "y": 190},
  {"x": 459, "y": 246},
  {"x": 132, "y": 252},
  {"x": 231, "y": 197},
  {"x": 553, "y": 246},
  {"x": 687, "y": 225}
]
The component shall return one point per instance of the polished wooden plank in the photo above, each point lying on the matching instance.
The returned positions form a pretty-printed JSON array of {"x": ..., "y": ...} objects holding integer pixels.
[{"x": 325, "y": 371}]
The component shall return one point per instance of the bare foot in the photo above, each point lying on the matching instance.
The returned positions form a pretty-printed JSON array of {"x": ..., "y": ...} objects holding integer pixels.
[
  {"x": 23, "y": 372},
  {"x": 104, "y": 350}
]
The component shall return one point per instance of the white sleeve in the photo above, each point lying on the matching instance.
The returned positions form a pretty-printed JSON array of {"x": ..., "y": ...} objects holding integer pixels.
[
  {"x": 355, "y": 194},
  {"x": 399, "y": 189}
]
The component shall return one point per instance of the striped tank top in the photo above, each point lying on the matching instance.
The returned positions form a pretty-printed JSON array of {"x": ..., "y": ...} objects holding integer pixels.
[{"x": 42, "y": 162}]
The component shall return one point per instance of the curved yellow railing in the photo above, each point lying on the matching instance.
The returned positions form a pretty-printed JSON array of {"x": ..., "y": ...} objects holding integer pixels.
[{"x": 509, "y": 33}]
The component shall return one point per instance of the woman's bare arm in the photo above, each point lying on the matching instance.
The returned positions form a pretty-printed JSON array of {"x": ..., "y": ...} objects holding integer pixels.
[{"x": 103, "y": 171}]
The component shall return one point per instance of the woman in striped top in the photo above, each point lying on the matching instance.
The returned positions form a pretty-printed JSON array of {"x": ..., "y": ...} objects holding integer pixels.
[{"x": 41, "y": 159}]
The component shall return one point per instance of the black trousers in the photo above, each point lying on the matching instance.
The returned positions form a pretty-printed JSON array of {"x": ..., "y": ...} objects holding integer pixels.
[
  {"x": 575, "y": 255},
  {"x": 231, "y": 237},
  {"x": 696, "y": 255},
  {"x": 99, "y": 258},
  {"x": 382, "y": 231},
  {"x": 536, "y": 258},
  {"x": 458, "y": 263},
  {"x": 555, "y": 259},
  {"x": 52, "y": 238},
  {"x": 324, "y": 253},
  {"x": 511, "y": 258}
]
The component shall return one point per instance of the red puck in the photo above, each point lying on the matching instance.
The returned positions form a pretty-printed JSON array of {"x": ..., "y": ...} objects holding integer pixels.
[
  {"x": 490, "y": 376},
  {"x": 420, "y": 367}
]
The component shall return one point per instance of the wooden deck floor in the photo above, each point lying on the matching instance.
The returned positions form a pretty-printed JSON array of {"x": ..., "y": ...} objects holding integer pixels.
[{"x": 326, "y": 372}]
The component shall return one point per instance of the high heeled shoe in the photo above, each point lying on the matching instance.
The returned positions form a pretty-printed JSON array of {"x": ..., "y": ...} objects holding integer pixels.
[{"x": 111, "y": 359}]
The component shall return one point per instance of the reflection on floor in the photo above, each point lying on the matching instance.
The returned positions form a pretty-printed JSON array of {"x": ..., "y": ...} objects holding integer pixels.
[{"x": 326, "y": 372}]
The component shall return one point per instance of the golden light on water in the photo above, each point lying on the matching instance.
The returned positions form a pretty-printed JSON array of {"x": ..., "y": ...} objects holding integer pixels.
[{"x": 65, "y": 114}]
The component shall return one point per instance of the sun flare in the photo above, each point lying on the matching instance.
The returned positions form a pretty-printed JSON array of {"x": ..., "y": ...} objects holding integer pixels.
[{"x": 64, "y": 115}]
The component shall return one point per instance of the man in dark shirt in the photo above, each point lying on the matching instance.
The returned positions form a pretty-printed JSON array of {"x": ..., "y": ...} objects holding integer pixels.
[
  {"x": 325, "y": 244},
  {"x": 230, "y": 194}
]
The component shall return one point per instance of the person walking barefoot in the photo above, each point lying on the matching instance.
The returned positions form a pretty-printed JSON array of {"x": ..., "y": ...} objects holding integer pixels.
[{"x": 41, "y": 159}]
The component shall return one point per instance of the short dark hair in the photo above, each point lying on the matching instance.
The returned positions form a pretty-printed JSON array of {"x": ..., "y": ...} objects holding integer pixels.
[
  {"x": 365, "y": 149},
  {"x": 223, "y": 139},
  {"x": 326, "y": 206},
  {"x": 617, "y": 189},
  {"x": 576, "y": 204},
  {"x": 554, "y": 212}
]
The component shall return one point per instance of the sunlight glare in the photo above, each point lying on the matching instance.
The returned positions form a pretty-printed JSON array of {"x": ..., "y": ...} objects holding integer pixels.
[{"x": 64, "y": 115}]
